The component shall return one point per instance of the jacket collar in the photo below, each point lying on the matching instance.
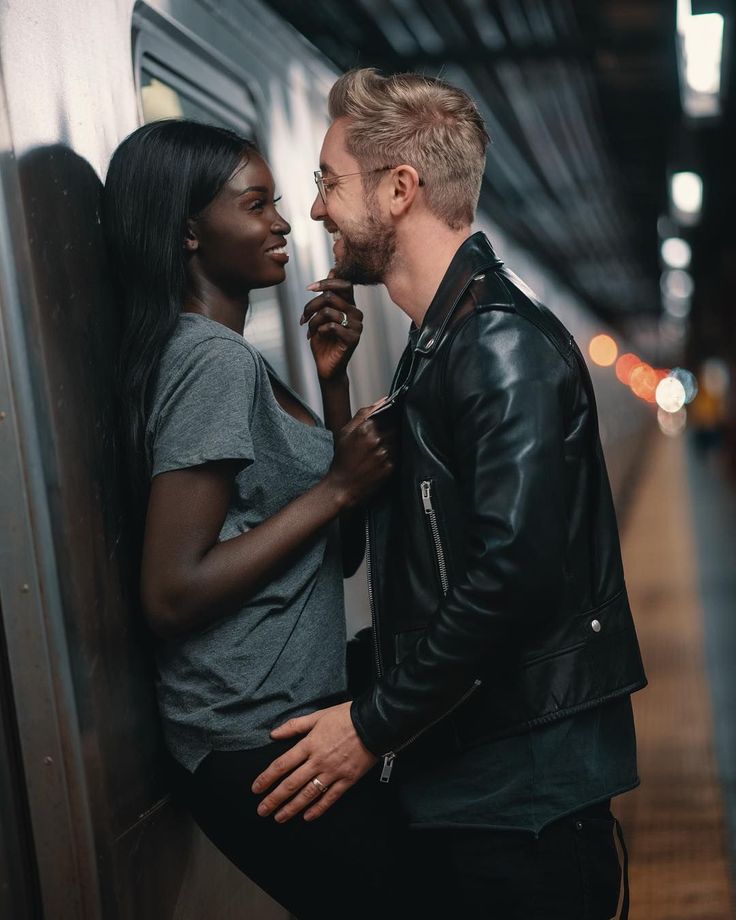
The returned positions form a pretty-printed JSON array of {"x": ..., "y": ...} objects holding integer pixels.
[{"x": 474, "y": 257}]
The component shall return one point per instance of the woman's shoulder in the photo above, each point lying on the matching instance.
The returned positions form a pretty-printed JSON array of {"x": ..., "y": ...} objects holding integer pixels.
[
  {"x": 204, "y": 353},
  {"x": 196, "y": 340}
]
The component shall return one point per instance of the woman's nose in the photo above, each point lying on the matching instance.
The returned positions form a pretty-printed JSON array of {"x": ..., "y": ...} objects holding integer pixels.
[{"x": 281, "y": 226}]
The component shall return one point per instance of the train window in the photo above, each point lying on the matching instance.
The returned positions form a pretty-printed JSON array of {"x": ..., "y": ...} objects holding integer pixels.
[{"x": 177, "y": 77}]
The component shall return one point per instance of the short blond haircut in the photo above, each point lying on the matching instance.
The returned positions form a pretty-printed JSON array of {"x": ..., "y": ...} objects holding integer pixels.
[{"x": 420, "y": 121}]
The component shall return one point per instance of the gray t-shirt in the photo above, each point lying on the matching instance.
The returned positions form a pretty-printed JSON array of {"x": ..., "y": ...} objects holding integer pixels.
[{"x": 226, "y": 685}]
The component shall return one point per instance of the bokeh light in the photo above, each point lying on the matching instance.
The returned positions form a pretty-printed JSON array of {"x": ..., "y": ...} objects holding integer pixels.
[
  {"x": 643, "y": 382},
  {"x": 603, "y": 350},
  {"x": 688, "y": 381},
  {"x": 670, "y": 394},
  {"x": 715, "y": 377},
  {"x": 625, "y": 365},
  {"x": 676, "y": 253},
  {"x": 672, "y": 423}
]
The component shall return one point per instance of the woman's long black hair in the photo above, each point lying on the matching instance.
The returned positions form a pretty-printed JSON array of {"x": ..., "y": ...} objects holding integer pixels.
[{"x": 161, "y": 175}]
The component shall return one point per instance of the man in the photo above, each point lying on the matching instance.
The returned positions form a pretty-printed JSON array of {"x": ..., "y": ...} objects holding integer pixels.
[{"x": 504, "y": 648}]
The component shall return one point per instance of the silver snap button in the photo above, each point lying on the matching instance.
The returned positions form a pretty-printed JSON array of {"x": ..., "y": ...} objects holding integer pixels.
[
  {"x": 595, "y": 626},
  {"x": 430, "y": 343},
  {"x": 578, "y": 825}
]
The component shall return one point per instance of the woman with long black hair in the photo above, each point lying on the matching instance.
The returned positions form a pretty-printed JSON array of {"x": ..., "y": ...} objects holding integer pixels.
[{"x": 242, "y": 490}]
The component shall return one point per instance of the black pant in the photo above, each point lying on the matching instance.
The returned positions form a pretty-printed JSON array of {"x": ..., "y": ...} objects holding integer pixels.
[
  {"x": 569, "y": 872},
  {"x": 349, "y": 864}
]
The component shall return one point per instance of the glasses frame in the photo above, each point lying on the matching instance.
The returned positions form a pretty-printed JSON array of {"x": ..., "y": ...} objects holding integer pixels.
[{"x": 320, "y": 180}]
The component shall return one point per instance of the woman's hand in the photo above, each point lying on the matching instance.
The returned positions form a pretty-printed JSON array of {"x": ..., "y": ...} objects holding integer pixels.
[
  {"x": 364, "y": 457},
  {"x": 335, "y": 326}
]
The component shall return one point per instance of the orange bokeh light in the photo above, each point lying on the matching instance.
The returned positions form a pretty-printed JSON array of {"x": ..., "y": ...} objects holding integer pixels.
[
  {"x": 625, "y": 365},
  {"x": 603, "y": 350},
  {"x": 643, "y": 381}
]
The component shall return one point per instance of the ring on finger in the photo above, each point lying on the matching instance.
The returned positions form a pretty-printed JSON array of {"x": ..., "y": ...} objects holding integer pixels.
[
  {"x": 344, "y": 320},
  {"x": 320, "y": 785}
]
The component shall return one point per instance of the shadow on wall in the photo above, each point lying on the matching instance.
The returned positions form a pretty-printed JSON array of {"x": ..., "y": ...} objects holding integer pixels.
[{"x": 72, "y": 331}]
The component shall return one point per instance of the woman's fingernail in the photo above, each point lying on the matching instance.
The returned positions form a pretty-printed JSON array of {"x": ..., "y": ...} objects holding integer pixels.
[
  {"x": 262, "y": 810},
  {"x": 313, "y": 286}
]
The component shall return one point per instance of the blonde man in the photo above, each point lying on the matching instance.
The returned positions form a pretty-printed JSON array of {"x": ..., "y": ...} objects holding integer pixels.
[{"x": 504, "y": 648}]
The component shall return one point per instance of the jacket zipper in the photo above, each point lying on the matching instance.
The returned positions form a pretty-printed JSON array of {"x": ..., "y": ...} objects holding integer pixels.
[
  {"x": 371, "y": 597},
  {"x": 434, "y": 527},
  {"x": 388, "y": 759}
]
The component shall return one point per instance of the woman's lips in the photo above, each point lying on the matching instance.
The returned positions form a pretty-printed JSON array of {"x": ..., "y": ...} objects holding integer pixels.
[{"x": 278, "y": 254}]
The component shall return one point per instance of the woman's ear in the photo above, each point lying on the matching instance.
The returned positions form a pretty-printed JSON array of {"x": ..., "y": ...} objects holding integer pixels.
[{"x": 191, "y": 241}]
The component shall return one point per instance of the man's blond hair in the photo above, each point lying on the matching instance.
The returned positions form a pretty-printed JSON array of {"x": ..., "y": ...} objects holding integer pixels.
[{"x": 423, "y": 122}]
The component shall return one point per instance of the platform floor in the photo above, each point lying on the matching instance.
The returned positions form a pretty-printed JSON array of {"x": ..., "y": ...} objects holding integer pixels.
[{"x": 675, "y": 823}]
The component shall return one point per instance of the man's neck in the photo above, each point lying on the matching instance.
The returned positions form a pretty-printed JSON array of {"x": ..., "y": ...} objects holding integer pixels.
[{"x": 423, "y": 255}]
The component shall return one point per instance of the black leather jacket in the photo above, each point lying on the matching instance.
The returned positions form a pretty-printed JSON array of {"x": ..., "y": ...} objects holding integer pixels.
[{"x": 495, "y": 572}]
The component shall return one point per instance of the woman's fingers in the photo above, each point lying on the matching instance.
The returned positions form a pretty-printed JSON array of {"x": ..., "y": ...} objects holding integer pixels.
[
  {"x": 329, "y": 299},
  {"x": 338, "y": 285},
  {"x": 332, "y": 317}
]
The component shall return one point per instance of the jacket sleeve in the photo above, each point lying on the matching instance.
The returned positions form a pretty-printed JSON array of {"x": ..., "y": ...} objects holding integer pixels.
[{"x": 503, "y": 395}]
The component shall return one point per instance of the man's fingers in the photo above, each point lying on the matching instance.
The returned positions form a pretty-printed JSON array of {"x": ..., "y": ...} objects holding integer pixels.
[
  {"x": 327, "y": 799},
  {"x": 299, "y": 725},
  {"x": 284, "y": 764},
  {"x": 294, "y": 784},
  {"x": 306, "y": 796}
]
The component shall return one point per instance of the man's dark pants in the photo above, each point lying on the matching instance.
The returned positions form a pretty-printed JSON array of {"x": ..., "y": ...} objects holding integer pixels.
[{"x": 570, "y": 871}]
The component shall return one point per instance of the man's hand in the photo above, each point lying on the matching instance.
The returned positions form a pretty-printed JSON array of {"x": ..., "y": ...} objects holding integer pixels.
[{"x": 331, "y": 753}]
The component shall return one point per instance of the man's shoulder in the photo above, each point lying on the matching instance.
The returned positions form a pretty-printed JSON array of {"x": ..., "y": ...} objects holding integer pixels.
[{"x": 503, "y": 322}]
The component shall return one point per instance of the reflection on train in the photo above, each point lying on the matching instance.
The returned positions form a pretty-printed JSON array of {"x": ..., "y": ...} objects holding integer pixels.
[{"x": 88, "y": 829}]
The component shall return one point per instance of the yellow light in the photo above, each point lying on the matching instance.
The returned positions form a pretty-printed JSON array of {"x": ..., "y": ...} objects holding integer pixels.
[{"x": 603, "y": 350}]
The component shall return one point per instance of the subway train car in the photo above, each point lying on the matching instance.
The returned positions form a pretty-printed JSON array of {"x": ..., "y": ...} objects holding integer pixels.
[{"x": 88, "y": 829}]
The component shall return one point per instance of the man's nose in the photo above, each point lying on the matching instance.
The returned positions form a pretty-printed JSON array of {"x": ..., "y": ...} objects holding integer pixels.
[{"x": 319, "y": 211}]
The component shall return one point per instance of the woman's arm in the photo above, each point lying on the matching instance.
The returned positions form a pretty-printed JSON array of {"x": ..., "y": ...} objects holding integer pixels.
[
  {"x": 189, "y": 579},
  {"x": 332, "y": 347}
]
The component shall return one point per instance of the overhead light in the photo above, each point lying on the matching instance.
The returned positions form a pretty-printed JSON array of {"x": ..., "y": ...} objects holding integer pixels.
[
  {"x": 686, "y": 192},
  {"x": 700, "y": 55},
  {"x": 676, "y": 253}
]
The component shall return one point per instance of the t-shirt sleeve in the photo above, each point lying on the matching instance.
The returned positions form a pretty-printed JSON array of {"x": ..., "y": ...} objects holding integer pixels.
[{"x": 207, "y": 413}]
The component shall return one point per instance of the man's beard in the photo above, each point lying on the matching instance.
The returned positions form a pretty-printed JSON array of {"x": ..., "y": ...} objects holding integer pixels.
[{"x": 369, "y": 252}]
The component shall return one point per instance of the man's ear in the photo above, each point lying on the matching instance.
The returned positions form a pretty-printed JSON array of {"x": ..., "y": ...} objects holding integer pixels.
[
  {"x": 191, "y": 240},
  {"x": 404, "y": 188}
]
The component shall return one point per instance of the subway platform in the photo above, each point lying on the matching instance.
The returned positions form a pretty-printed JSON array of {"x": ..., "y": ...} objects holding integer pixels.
[{"x": 679, "y": 538}]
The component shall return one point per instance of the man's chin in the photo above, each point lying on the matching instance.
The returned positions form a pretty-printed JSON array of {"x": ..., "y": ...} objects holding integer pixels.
[{"x": 352, "y": 271}]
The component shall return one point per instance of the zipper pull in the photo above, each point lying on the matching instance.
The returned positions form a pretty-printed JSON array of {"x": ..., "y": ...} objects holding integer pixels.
[
  {"x": 388, "y": 765},
  {"x": 427, "y": 496}
]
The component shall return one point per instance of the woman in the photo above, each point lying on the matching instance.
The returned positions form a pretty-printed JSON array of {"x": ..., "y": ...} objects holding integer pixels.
[{"x": 241, "y": 574}]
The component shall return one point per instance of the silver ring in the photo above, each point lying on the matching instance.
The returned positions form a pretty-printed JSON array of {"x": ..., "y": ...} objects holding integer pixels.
[
  {"x": 321, "y": 786},
  {"x": 344, "y": 320}
]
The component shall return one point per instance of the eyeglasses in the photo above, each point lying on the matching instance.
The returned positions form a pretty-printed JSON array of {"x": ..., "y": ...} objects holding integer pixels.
[{"x": 325, "y": 183}]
